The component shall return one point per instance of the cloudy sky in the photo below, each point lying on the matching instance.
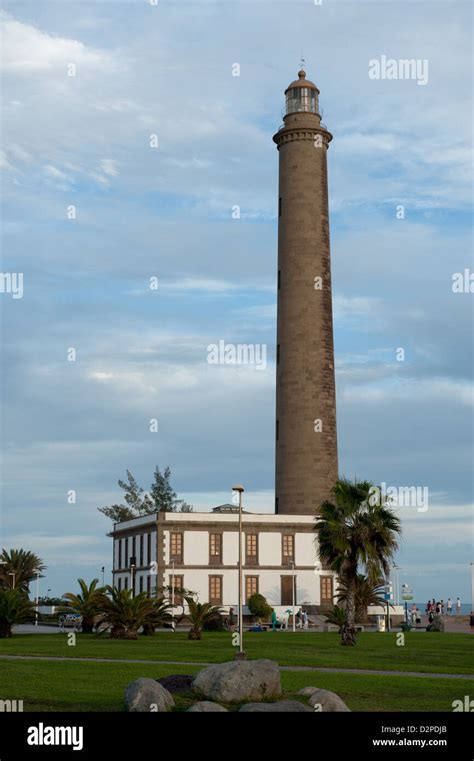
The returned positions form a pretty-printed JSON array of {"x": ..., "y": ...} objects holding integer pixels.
[{"x": 83, "y": 141}]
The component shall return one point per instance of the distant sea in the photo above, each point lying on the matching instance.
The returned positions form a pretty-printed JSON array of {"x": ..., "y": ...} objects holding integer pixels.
[{"x": 465, "y": 607}]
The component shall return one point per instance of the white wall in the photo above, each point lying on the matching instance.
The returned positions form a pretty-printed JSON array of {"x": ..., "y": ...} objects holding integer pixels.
[
  {"x": 230, "y": 547},
  {"x": 269, "y": 548},
  {"x": 305, "y": 549},
  {"x": 195, "y": 547}
]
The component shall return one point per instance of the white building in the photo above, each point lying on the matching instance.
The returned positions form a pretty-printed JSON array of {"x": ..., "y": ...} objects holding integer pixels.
[{"x": 199, "y": 552}]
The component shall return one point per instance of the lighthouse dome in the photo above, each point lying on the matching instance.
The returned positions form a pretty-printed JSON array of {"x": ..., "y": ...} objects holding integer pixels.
[{"x": 302, "y": 95}]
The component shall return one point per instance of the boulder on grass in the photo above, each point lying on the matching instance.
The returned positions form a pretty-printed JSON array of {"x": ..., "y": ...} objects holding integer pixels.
[
  {"x": 207, "y": 706},
  {"x": 437, "y": 625},
  {"x": 236, "y": 681},
  {"x": 281, "y": 706},
  {"x": 146, "y": 695},
  {"x": 177, "y": 683},
  {"x": 328, "y": 702},
  {"x": 307, "y": 691}
]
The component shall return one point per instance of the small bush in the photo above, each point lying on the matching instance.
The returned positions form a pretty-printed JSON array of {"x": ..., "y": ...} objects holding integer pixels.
[{"x": 259, "y": 607}]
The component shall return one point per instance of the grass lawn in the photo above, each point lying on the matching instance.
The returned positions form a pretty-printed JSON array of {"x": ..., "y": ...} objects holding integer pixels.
[
  {"x": 69, "y": 686},
  {"x": 422, "y": 652}
]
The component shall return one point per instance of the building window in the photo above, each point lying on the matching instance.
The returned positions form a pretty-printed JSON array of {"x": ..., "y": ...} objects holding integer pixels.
[
  {"x": 119, "y": 559},
  {"x": 125, "y": 582},
  {"x": 215, "y": 590},
  {"x": 140, "y": 584},
  {"x": 215, "y": 549},
  {"x": 251, "y": 549},
  {"x": 148, "y": 548},
  {"x": 287, "y": 582},
  {"x": 141, "y": 550},
  {"x": 133, "y": 559},
  {"x": 251, "y": 587},
  {"x": 288, "y": 548},
  {"x": 125, "y": 564},
  {"x": 176, "y": 547},
  {"x": 120, "y": 584},
  {"x": 176, "y": 583},
  {"x": 148, "y": 586},
  {"x": 277, "y": 430},
  {"x": 326, "y": 585}
]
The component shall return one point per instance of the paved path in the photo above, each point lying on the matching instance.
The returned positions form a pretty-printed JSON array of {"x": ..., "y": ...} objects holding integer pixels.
[{"x": 322, "y": 669}]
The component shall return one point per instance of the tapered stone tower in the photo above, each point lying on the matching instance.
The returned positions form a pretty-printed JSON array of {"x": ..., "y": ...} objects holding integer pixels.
[{"x": 306, "y": 443}]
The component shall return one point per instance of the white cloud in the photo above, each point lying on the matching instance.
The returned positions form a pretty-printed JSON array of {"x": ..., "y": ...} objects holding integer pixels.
[{"x": 28, "y": 50}]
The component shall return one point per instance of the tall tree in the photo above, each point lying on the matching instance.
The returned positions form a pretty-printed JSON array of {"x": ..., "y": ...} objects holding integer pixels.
[
  {"x": 354, "y": 531},
  {"x": 18, "y": 568},
  {"x": 162, "y": 493},
  {"x": 138, "y": 502}
]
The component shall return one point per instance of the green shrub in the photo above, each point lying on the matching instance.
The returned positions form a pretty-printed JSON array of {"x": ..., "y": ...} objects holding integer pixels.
[{"x": 259, "y": 607}]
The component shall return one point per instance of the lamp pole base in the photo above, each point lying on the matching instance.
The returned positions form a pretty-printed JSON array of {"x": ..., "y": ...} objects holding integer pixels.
[{"x": 240, "y": 656}]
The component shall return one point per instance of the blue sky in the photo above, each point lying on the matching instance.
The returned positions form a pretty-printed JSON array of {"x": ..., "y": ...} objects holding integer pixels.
[{"x": 166, "y": 213}]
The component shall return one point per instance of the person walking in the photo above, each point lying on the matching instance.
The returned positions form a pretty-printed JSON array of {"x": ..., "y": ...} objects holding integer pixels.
[
  {"x": 458, "y": 606},
  {"x": 449, "y": 606},
  {"x": 442, "y": 607},
  {"x": 305, "y": 620}
]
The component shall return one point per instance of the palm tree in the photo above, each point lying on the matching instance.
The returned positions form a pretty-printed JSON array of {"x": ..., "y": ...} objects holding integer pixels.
[
  {"x": 124, "y": 614},
  {"x": 337, "y": 616},
  {"x": 18, "y": 568},
  {"x": 15, "y": 608},
  {"x": 85, "y": 604},
  {"x": 366, "y": 593},
  {"x": 353, "y": 530},
  {"x": 160, "y": 614},
  {"x": 200, "y": 614}
]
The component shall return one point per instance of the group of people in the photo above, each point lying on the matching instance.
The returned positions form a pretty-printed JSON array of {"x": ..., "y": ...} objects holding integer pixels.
[
  {"x": 301, "y": 619},
  {"x": 440, "y": 609},
  {"x": 434, "y": 608}
]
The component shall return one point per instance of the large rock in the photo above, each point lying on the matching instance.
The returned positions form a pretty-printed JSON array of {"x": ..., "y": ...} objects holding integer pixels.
[
  {"x": 177, "y": 683},
  {"x": 437, "y": 625},
  {"x": 207, "y": 706},
  {"x": 146, "y": 695},
  {"x": 327, "y": 701},
  {"x": 236, "y": 681},
  {"x": 307, "y": 691},
  {"x": 281, "y": 706}
]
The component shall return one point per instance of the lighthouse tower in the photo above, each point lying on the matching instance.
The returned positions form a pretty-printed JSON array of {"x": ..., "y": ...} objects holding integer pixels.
[{"x": 306, "y": 442}]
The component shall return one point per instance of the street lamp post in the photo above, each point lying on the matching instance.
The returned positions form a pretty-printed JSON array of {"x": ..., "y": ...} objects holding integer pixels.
[
  {"x": 172, "y": 594},
  {"x": 293, "y": 592},
  {"x": 396, "y": 583},
  {"x": 132, "y": 578},
  {"x": 471, "y": 619},
  {"x": 240, "y": 656},
  {"x": 37, "y": 596},
  {"x": 103, "y": 572}
]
